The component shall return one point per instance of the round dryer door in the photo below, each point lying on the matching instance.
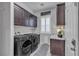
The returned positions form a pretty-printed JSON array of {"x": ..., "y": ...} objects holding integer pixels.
[{"x": 26, "y": 47}]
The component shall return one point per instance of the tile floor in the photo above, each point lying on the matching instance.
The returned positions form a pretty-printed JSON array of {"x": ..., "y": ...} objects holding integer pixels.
[{"x": 42, "y": 50}]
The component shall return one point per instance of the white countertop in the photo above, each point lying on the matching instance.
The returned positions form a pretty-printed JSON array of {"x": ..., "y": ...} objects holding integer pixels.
[{"x": 56, "y": 37}]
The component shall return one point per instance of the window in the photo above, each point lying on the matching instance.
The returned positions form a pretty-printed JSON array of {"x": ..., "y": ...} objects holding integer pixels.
[{"x": 45, "y": 24}]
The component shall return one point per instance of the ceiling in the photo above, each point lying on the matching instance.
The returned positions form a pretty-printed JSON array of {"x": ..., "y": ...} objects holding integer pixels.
[{"x": 37, "y": 6}]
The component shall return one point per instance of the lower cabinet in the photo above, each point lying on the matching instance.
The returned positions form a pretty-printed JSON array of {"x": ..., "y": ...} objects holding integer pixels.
[{"x": 57, "y": 47}]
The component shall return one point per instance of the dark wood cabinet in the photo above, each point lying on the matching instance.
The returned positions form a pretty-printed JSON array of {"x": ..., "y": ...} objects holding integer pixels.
[
  {"x": 57, "y": 47},
  {"x": 24, "y": 18},
  {"x": 61, "y": 14},
  {"x": 18, "y": 15},
  {"x": 33, "y": 21}
]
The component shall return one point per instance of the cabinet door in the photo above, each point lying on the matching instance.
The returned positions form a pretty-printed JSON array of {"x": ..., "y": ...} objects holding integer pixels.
[
  {"x": 18, "y": 15},
  {"x": 57, "y": 47},
  {"x": 33, "y": 21},
  {"x": 26, "y": 18},
  {"x": 61, "y": 14}
]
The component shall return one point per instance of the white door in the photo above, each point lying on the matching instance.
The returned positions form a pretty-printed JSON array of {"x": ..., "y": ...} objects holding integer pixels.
[{"x": 70, "y": 28}]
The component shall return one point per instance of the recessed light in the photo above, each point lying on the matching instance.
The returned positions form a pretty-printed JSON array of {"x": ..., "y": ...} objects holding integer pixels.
[{"x": 42, "y": 4}]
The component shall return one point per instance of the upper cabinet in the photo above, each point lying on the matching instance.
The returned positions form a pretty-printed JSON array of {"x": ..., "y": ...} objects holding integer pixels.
[
  {"x": 61, "y": 14},
  {"x": 24, "y": 18},
  {"x": 18, "y": 15},
  {"x": 33, "y": 20}
]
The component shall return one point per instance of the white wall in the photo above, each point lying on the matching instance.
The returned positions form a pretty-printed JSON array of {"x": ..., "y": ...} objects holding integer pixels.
[
  {"x": 5, "y": 30},
  {"x": 24, "y": 30},
  {"x": 53, "y": 21},
  {"x": 78, "y": 30},
  {"x": 1, "y": 17}
]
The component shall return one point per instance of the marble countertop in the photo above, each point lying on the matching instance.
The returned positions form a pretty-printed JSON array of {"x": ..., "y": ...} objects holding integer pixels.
[{"x": 56, "y": 37}]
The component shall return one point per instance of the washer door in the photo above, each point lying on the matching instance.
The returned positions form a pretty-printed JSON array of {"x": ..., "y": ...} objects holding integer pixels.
[{"x": 26, "y": 47}]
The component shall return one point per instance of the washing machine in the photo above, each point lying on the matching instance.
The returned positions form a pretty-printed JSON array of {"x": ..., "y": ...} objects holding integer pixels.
[{"x": 22, "y": 45}]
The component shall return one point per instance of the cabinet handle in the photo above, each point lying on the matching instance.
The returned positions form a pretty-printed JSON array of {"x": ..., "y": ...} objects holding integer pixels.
[{"x": 73, "y": 42}]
